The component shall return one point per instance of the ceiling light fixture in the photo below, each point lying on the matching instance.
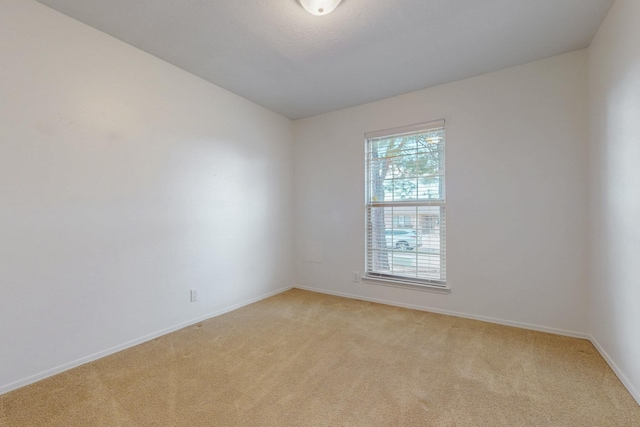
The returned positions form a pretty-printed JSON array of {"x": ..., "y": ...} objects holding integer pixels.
[{"x": 320, "y": 7}]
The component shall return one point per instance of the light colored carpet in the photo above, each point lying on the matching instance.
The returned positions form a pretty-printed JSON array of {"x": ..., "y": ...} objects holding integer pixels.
[{"x": 306, "y": 359}]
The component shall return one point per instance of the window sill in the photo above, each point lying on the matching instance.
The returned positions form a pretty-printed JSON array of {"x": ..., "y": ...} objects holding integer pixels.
[{"x": 403, "y": 285}]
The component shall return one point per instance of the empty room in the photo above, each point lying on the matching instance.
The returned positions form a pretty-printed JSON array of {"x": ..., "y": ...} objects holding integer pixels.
[{"x": 319, "y": 213}]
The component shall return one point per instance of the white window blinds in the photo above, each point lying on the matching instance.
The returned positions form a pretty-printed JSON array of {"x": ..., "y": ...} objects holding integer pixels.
[{"x": 405, "y": 205}]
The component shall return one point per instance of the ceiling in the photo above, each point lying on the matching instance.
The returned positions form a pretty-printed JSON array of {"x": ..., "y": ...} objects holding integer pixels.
[{"x": 274, "y": 53}]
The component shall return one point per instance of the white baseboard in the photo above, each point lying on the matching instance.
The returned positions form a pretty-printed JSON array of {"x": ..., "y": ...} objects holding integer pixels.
[
  {"x": 623, "y": 378},
  {"x": 555, "y": 331},
  {"x": 66, "y": 366}
]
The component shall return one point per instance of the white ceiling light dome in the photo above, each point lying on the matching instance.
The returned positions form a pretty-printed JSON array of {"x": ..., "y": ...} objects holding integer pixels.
[{"x": 320, "y": 7}]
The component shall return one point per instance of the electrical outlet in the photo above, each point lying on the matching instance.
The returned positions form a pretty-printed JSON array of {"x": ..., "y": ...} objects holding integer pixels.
[
  {"x": 194, "y": 295},
  {"x": 356, "y": 276}
]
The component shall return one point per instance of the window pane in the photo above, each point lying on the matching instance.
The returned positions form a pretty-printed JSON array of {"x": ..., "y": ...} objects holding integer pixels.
[
  {"x": 407, "y": 241},
  {"x": 406, "y": 206},
  {"x": 407, "y": 168}
]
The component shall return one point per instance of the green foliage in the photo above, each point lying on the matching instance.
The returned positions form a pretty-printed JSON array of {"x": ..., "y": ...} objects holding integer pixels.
[{"x": 407, "y": 167}]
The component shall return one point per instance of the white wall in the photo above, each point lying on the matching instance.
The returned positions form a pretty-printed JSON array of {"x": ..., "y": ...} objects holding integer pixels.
[
  {"x": 517, "y": 195},
  {"x": 124, "y": 182},
  {"x": 614, "y": 97}
]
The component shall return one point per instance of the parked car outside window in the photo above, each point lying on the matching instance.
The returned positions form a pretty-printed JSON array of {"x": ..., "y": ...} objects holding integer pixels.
[{"x": 403, "y": 239}]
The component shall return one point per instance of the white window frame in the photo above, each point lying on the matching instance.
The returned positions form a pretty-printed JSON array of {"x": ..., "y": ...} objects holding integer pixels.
[{"x": 371, "y": 274}]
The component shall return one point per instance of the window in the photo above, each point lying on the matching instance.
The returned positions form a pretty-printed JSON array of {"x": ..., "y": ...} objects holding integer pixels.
[{"x": 405, "y": 205}]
